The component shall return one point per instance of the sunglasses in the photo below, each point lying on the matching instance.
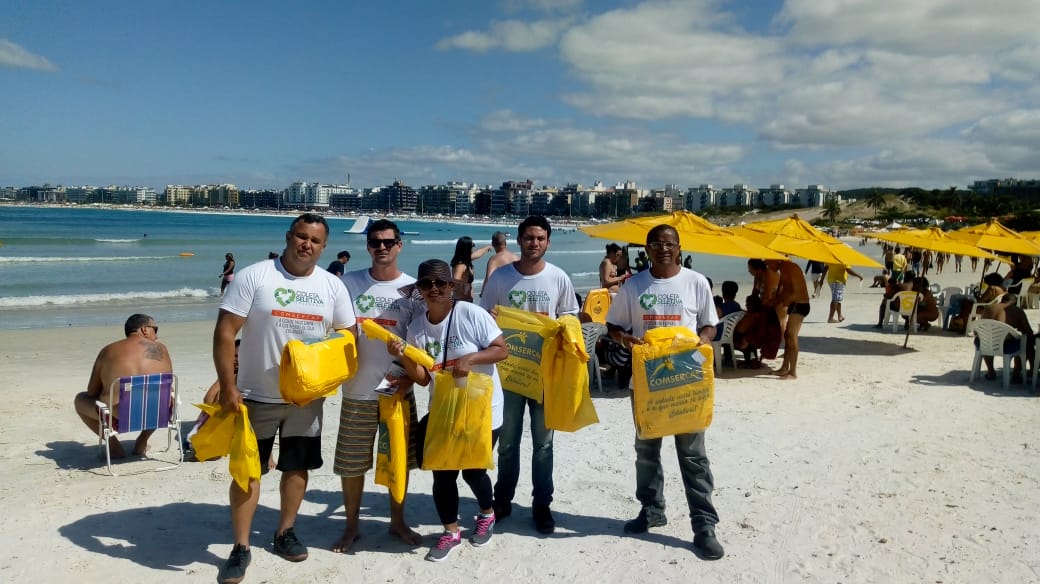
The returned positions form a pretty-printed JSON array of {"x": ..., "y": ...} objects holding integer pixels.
[
  {"x": 427, "y": 284},
  {"x": 379, "y": 243},
  {"x": 153, "y": 327}
]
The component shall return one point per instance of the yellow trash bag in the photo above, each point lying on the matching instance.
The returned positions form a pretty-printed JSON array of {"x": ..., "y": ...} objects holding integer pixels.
[
  {"x": 314, "y": 369},
  {"x": 525, "y": 334},
  {"x": 228, "y": 433},
  {"x": 568, "y": 405},
  {"x": 392, "y": 447},
  {"x": 673, "y": 383},
  {"x": 374, "y": 330},
  {"x": 458, "y": 431}
]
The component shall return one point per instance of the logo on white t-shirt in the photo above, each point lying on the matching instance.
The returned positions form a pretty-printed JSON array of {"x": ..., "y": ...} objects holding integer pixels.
[
  {"x": 433, "y": 348},
  {"x": 287, "y": 296}
]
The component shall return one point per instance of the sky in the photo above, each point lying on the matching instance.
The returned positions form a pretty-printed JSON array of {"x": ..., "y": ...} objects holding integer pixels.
[{"x": 840, "y": 93}]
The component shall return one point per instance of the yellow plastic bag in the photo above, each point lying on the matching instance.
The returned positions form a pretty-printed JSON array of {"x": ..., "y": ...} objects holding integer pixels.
[
  {"x": 458, "y": 432},
  {"x": 314, "y": 369},
  {"x": 568, "y": 405},
  {"x": 228, "y": 433},
  {"x": 525, "y": 334},
  {"x": 373, "y": 330},
  {"x": 392, "y": 447},
  {"x": 673, "y": 383}
]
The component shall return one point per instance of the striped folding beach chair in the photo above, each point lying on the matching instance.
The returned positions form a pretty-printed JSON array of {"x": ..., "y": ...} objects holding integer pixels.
[{"x": 143, "y": 402}]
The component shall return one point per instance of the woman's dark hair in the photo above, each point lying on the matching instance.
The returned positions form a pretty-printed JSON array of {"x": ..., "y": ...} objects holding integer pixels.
[
  {"x": 613, "y": 248},
  {"x": 463, "y": 252}
]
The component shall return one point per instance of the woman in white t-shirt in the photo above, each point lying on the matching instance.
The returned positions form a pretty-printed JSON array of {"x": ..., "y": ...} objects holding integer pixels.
[{"x": 461, "y": 337}]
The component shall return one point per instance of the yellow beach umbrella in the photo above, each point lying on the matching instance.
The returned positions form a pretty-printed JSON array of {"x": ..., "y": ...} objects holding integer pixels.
[
  {"x": 995, "y": 237},
  {"x": 696, "y": 235},
  {"x": 934, "y": 239},
  {"x": 794, "y": 236}
]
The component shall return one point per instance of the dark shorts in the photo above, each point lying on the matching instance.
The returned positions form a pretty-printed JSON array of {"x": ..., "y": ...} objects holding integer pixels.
[
  {"x": 801, "y": 308},
  {"x": 299, "y": 434}
]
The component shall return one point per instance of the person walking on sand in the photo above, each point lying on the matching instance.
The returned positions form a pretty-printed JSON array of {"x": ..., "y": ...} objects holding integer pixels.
[
  {"x": 140, "y": 353},
  {"x": 228, "y": 274},
  {"x": 794, "y": 295},
  {"x": 376, "y": 298},
  {"x": 271, "y": 303},
  {"x": 532, "y": 284},
  {"x": 461, "y": 338},
  {"x": 819, "y": 273},
  {"x": 837, "y": 277},
  {"x": 630, "y": 316},
  {"x": 501, "y": 258}
]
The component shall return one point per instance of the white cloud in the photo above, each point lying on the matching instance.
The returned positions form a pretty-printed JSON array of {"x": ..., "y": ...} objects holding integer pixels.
[
  {"x": 1018, "y": 127},
  {"x": 17, "y": 57},
  {"x": 508, "y": 121},
  {"x": 546, "y": 6},
  {"x": 509, "y": 35}
]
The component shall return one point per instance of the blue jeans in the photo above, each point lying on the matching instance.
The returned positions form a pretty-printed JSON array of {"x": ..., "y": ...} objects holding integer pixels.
[
  {"x": 509, "y": 450},
  {"x": 695, "y": 469}
]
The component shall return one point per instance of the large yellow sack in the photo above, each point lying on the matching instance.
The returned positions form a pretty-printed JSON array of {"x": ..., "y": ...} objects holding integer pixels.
[
  {"x": 374, "y": 330},
  {"x": 673, "y": 383},
  {"x": 525, "y": 334},
  {"x": 315, "y": 369},
  {"x": 229, "y": 433},
  {"x": 392, "y": 447},
  {"x": 568, "y": 405},
  {"x": 458, "y": 431}
]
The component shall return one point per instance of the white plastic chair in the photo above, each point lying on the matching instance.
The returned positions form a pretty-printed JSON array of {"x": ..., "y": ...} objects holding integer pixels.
[
  {"x": 592, "y": 331},
  {"x": 976, "y": 314},
  {"x": 894, "y": 316},
  {"x": 947, "y": 293},
  {"x": 727, "y": 324},
  {"x": 143, "y": 402},
  {"x": 991, "y": 334}
]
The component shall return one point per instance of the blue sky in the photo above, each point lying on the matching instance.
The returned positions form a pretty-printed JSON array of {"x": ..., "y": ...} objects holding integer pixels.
[{"x": 844, "y": 93}]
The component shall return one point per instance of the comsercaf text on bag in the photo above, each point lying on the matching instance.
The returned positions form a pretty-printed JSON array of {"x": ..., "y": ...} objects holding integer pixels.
[
  {"x": 525, "y": 334},
  {"x": 673, "y": 383}
]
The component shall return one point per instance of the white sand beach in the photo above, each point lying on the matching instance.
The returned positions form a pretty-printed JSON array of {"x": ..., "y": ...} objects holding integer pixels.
[{"x": 879, "y": 464}]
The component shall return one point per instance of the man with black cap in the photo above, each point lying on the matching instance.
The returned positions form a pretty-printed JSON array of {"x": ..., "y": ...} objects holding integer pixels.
[
  {"x": 532, "y": 284},
  {"x": 339, "y": 265}
]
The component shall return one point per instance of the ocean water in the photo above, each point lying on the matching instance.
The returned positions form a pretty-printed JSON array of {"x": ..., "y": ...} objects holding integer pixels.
[{"x": 64, "y": 267}]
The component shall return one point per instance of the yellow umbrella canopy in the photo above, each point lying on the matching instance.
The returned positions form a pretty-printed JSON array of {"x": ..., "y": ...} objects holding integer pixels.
[
  {"x": 934, "y": 239},
  {"x": 995, "y": 237},
  {"x": 696, "y": 235},
  {"x": 794, "y": 236}
]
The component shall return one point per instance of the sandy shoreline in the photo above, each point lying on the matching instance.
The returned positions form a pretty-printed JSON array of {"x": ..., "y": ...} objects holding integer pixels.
[{"x": 878, "y": 464}]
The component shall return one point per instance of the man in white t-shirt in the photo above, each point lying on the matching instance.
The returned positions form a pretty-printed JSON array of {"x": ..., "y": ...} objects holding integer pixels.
[
  {"x": 273, "y": 302},
  {"x": 669, "y": 295},
  {"x": 533, "y": 284},
  {"x": 376, "y": 297}
]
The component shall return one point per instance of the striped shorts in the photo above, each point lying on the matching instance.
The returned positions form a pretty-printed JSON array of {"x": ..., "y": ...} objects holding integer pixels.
[{"x": 358, "y": 426}]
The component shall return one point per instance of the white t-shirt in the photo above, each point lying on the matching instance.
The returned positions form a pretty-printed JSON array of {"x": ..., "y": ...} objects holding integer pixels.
[
  {"x": 645, "y": 303},
  {"x": 548, "y": 292},
  {"x": 278, "y": 308},
  {"x": 379, "y": 301},
  {"x": 472, "y": 330}
]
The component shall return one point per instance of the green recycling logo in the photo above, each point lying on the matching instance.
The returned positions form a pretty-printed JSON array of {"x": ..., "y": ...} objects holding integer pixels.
[
  {"x": 647, "y": 301},
  {"x": 517, "y": 298},
  {"x": 365, "y": 302},
  {"x": 284, "y": 296},
  {"x": 433, "y": 348}
]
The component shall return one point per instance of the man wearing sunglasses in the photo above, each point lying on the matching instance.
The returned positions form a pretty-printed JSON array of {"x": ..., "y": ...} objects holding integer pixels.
[
  {"x": 273, "y": 302},
  {"x": 669, "y": 295},
  {"x": 532, "y": 284},
  {"x": 374, "y": 291},
  {"x": 140, "y": 353}
]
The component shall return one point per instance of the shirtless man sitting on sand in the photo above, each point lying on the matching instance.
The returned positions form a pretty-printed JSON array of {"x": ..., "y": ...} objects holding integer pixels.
[
  {"x": 792, "y": 301},
  {"x": 140, "y": 353}
]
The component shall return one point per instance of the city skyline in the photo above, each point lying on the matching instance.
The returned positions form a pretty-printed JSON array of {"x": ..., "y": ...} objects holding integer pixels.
[{"x": 846, "y": 94}]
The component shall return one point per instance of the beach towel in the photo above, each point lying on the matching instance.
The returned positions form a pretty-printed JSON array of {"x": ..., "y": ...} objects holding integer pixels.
[
  {"x": 316, "y": 368},
  {"x": 673, "y": 383}
]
